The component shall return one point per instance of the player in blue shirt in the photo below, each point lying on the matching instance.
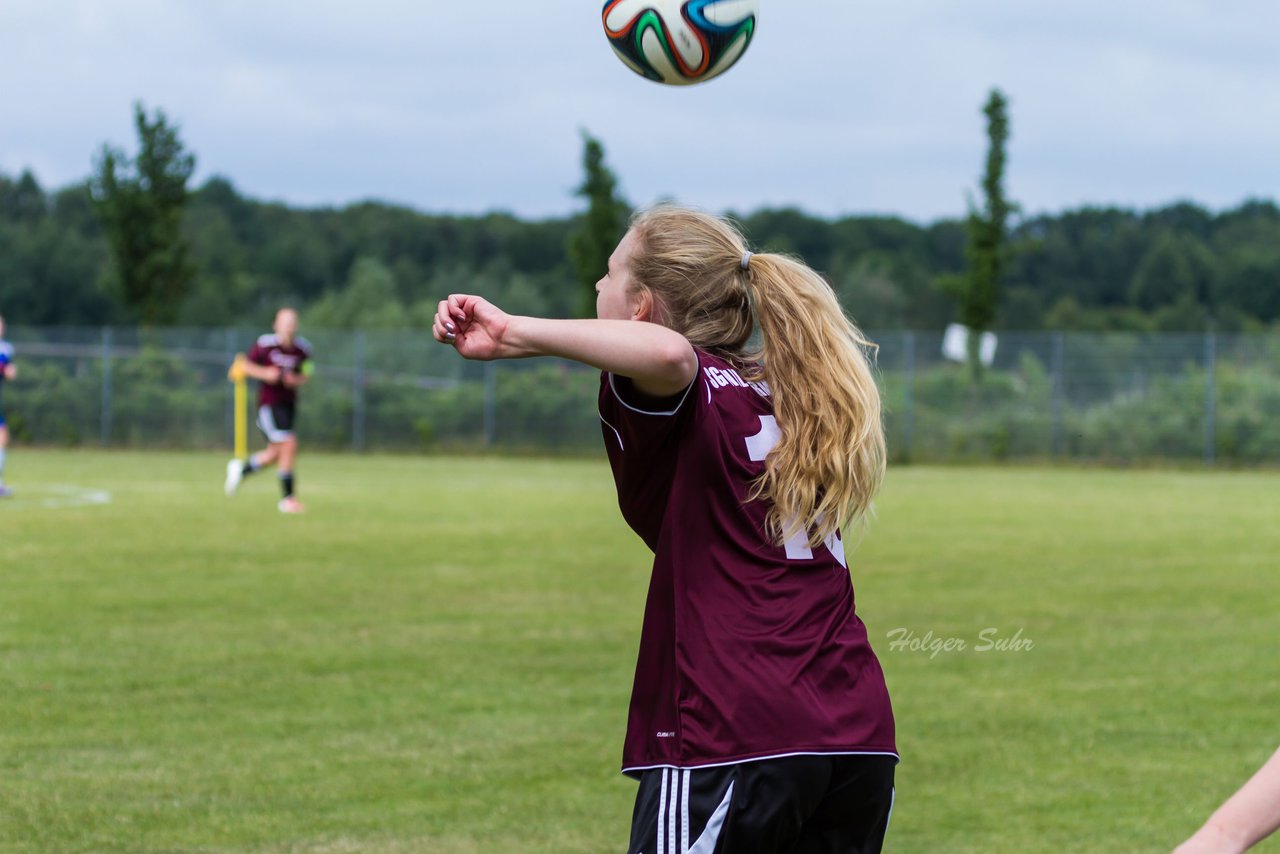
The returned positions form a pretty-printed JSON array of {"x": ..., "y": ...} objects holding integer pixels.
[{"x": 7, "y": 372}]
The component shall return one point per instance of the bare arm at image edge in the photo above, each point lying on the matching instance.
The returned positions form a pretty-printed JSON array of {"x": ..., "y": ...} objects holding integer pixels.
[{"x": 1246, "y": 818}]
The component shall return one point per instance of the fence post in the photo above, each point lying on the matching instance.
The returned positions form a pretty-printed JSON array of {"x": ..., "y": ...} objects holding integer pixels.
[
  {"x": 490, "y": 404},
  {"x": 908, "y": 390},
  {"x": 105, "y": 423},
  {"x": 1059, "y": 383},
  {"x": 230, "y": 352},
  {"x": 1210, "y": 394},
  {"x": 357, "y": 390}
]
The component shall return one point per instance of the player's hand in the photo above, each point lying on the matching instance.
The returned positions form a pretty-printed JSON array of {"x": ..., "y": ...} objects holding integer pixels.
[
  {"x": 475, "y": 327},
  {"x": 290, "y": 379},
  {"x": 272, "y": 375}
]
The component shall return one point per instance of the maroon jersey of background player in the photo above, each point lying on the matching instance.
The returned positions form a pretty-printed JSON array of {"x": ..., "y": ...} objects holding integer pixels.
[
  {"x": 748, "y": 649},
  {"x": 268, "y": 351}
]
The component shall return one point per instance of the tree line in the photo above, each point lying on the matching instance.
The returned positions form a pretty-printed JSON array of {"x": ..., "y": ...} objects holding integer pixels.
[{"x": 132, "y": 244}]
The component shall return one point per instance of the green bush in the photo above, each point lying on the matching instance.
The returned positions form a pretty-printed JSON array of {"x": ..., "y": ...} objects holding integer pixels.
[{"x": 1123, "y": 397}]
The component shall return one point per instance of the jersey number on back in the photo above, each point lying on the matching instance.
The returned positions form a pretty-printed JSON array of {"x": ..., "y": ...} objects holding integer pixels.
[{"x": 758, "y": 447}]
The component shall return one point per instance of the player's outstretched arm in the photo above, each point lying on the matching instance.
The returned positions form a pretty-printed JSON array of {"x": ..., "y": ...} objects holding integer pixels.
[
  {"x": 1249, "y": 816},
  {"x": 269, "y": 374},
  {"x": 659, "y": 361}
]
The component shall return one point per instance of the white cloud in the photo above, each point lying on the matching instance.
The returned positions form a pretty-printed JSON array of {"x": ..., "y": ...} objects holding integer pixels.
[{"x": 837, "y": 107}]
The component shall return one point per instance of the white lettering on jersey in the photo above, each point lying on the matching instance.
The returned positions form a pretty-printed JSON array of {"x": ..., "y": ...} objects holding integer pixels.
[
  {"x": 797, "y": 546},
  {"x": 722, "y": 377}
]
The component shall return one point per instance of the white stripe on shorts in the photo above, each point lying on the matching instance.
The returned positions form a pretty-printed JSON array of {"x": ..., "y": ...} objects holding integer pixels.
[
  {"x": 684, "y": 810},
  {"x": 672, "y": 809},
  {"x": 662, "y": 810},
  {"x": 267, "y": 421}
]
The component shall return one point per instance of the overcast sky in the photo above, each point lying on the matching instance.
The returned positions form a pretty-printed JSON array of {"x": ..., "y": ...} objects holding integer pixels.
[{"x": 838, "y": 107}]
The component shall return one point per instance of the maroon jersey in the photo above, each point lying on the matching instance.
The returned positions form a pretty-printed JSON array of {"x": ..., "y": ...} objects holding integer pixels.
[
  {"x": 268, "y": 351},
  {"x": 749, "y": 649}
]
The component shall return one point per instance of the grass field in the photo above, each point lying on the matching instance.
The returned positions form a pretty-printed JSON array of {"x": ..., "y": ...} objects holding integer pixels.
[{"x": 437, "y": 657}]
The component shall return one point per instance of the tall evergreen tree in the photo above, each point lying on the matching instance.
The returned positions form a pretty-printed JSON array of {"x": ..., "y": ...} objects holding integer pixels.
[
  {"x": 140, "y": 204},
  {"x": 22, "y": 200},
  {"x": 601, "y": 227},
  {"x": 978, "y": 290}
]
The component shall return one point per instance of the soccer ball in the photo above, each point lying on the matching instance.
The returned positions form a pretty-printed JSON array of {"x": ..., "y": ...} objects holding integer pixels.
[{"x": 680, "y": 41}]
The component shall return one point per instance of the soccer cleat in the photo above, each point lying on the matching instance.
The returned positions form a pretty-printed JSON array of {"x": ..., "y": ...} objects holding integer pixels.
[
  {"x": 5, "y": 492},
  {"x": 290, "y": 505},
  {"x": 235, "y": 474}
]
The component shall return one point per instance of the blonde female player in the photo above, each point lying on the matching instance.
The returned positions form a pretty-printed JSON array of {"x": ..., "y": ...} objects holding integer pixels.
[{"x": 759, "y": 717}]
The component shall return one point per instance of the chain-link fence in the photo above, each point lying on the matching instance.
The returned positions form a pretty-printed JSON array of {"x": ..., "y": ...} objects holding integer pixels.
[{"x": 1110, "y": 397}]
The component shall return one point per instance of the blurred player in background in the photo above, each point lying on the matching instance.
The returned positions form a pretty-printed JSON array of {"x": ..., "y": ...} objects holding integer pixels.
[
  {"x": 760, "y": 722},
  {"x": 280, "y": 362},
  {"x": 8, "y": 371}
]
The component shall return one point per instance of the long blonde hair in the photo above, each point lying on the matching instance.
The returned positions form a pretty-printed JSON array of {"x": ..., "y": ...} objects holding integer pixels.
[{"x": 830, "y": 459}]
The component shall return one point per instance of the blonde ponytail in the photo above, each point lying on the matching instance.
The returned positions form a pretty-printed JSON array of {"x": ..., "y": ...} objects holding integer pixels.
[{"x": 830, "y": 459}]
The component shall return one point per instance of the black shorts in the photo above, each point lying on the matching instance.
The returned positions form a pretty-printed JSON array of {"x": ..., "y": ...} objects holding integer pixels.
[
  {"x": 823, "y": 804},
  {"x": 276, "y": 422}
]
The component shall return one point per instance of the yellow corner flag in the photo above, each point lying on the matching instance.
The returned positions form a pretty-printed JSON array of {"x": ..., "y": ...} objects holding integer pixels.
[{"x": 237, "y": 375}]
